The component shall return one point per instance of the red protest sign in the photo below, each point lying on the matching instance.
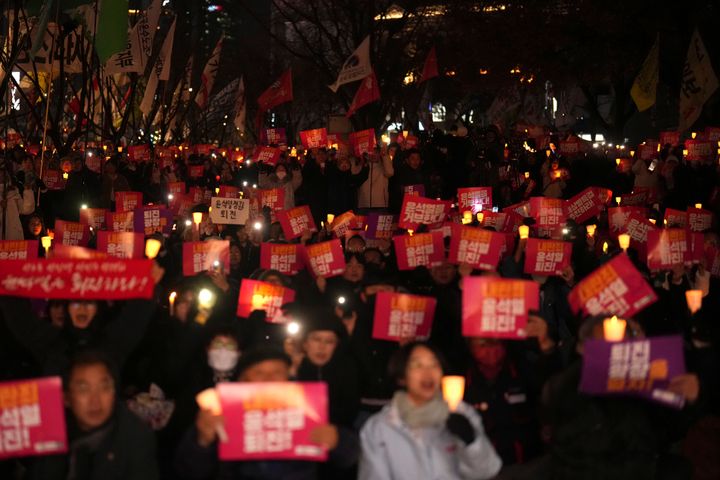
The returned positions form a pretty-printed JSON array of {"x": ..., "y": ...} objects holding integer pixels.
[
  {"x": 274, "y": 136},
  {"x": 121, "y": 244},
  {"x": 18, "y": 249},
  {"x": 669, "y": 138},
  {"x": 341, "y": 223},
  {"x": 418, "y": 211},
  {"x": 648, "y": 150},
  {"x": 475, "y": 199},
  {"x": 546, "y": 257},
  {"x": 203, "y": 148},
  {"x": 272, "y": 420},
  {"x": 584, "y": 205},
  {"x": 712, "y": 134},
  {"x": 638, "y": 227},
  {"x": 522, "y": 209},
  {"x": 422, "y": 249},
  {"x": 295, "y": 221},
  {"x": 33, "y": 418},
  {"x": 668, "y": 247},
  {"x": 139, "y": 153},
  {"x": 675, "y": 218},
  {"x": 316, "y": 138},
  {"x": 363, "y": 141},
  {"x": 325, "y": 259},
  {"x": 201, "y": 256},
  {"x": 98, "y": 279},
  {"x": 639, "y": 196},
  {"x": 414, "y": 190},
  {"x": 400, "y": 316},
  {"x": 93, "y": 217},
  {"x": 616, "y": 288},
  {"x": 68, "y": 252},
  {"x": 699, "y": 220},
  {"x": 285, "y": 258},
  {"x": 501, "y": 221},
  {"x": 176, "y": 188},
  {"x": 570, "y": 146},
  {"x": 699, "y": 150},
  {"x": 121, "y": 221},
  {"x": 497, "y": 307},
  {"x": 548, "y": 212},
  {"x": 712, "y": 260},
  {"x": 477, "y": 247},
  {"x": 619, "y": 217},
  {"x": 227, "y": 191},
  {"x": 255, "y": 295},
  {"x": 196, "y": 171},
  {"x": 268, "y": 155},
  {"x": 54, "y": 180},
  {"x": 125, "y": 201},
  {"x": 71, "y": 233},
  {"x": 273, "y": 198}
]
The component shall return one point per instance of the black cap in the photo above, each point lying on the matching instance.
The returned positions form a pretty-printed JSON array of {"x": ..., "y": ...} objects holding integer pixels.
[
  {"x": 322, "y": 319},
  {"x": 254, "y": 356}
]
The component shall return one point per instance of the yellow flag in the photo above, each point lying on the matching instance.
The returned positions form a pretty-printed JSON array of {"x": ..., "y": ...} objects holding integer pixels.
[
  {"x": 699, "y": 82},
  {"x": 644, "y": 88}
]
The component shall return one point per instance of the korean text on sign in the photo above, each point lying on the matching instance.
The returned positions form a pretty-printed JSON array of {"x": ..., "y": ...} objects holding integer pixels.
[
  {"x": 399, "y": 316},
  {"x": 495, "y": 307}
]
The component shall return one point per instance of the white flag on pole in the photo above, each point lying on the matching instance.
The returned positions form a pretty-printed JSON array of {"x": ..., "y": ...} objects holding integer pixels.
[{"x": 356, "y": 67}]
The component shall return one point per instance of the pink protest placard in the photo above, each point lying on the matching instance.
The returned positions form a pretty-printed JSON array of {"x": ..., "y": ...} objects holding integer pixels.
[
  {"x": 53, "y": 179},
  {"x": 362, "y": 141},
  {"x": 120, "y": 221},
  {"x": 477, "y": 247},
  {"x": 18, "y": 249},
  {"x": 699, "y": 150},
  {"x": 71, "y": 233},
  {"x": 475, "y": 199},
  {"x": 584, "y": 205},
  {"x": 546, "y": 257},
  {"x": 401, "y": 316},
  {"x": 418, "y": 211},
  {"x": 176, "y": 188},
  {"x": 497, "y": 307},
  {"x": 648, "y": 150},
  {"x": 699, "y": 220},
  {"x": 33, "y": 418},
  {"x": 316, "y": 138},
  {"x": 256, "y": 295},
  {"x": 619, "y": 217},
  {"x": 268, "y": 155},
  {"x": 671, "y": 138},
  {"x": 272, "y": 420},
  {"x": 675, "y": 218},
  {"x": 273, "y": 136},
  {"x": 201, "y": 256},
  {"x": 139, "y": 153},
  {"x": 121, "y": 244},
  {"x": 423, "y": 249},
  {"x": 668, "y": 247},
  {"x": 127, "y": 201},
  {"x": 325, "y": 259},
  {"x": 522, "y": 209},
  {"x": 93, "y": 217},
  {"x": 285, "y": 258},
  {"x": 273, "y": 198},
  {"x": 548, "y": 212},
  {"x": 295, "y": 221},
  {"x": 615, "y": 288}
]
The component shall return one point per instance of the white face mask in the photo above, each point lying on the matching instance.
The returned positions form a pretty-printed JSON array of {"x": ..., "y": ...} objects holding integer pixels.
[
  {"x": 222, "y": 359},
  {"x": 281, "y": 174}
]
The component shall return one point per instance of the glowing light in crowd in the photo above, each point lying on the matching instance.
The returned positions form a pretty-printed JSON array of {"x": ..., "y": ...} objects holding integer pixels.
[
  {"x": 624, "y": 241},
  {"x": 293, "y": 328},
  {"x": 171, "y": 302},
  {"x": 614, "y": 329},
  {"x": 694, "y": 300},
  {"x": 206, "y": 298},
  {"x": 453, "y": 388},
  {"x": 524, "y": 231},
  {"x": 152, "y": 247},
  {"x": 590, "y": 229}
]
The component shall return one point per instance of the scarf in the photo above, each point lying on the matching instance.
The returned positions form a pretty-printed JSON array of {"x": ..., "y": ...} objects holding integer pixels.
[{"x": 432, "y": 414}]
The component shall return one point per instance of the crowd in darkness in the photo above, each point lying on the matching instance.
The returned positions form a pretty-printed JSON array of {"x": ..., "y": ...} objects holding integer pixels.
[{"x": 131, "y": 369}]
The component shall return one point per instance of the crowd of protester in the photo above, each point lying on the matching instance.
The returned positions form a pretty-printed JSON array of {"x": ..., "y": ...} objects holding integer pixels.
[{"x": 522, "y": 415}]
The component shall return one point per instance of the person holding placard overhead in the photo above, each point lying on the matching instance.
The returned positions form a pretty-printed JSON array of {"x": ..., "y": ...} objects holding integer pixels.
[{"x": 417, "y": 436}]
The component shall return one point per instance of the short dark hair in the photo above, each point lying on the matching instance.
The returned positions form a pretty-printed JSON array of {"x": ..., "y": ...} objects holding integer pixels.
[
  {"x": 88, "y": 357},
  {"x": 399, "y": 360}
]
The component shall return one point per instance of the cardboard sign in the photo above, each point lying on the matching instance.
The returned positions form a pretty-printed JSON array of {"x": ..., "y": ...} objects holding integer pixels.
[
  {"x": 316, "y": 138},
  {"x": 497, "y": 307},
  {"x": 547, "y": 257},
  {"x": 18, "y": 249},
  {"x": 700, "y": 150},
  {"x": 93, "y": 217},
  {"x": 648, "y": 150},
  {"x": 201, "y": 256},
  {"x": 699, "y": 220},
  {"x": 475, "y": 198},
  {"x": 675, "y": 218},
  {"x": 362, "y": 142},
  {"x": 272, "y": 420},
  {"x": 149, "y": 220},
  {"x": 127, "y": 201},
  {"x": 548, "y": 212},
  {"x": 668, "y": 247},
  {"x": 32, "y": 418},
  {"x": 71, "y": 233},
  {"x": 139, "y": 153},
  {"x": 273, "y": 198},
  {"x": 615, "y": 288},
  {"x": 70, "y": 252},
  {"x": 101, "y": 279},
  {"x": 273, "y": 136},
  {"x": 641, "y": 368},
  {"x": 229, "y": 211},
  {"x": 121, "y": 244},
  {"x": 295, "y": 221},
  {"x": 380, "y": 225},
  {"x": 420, "y": 250},
  {"x": 196, "y": 171},
  {"x": 418, "y": 211},
  {"x": 255, "y": 295},
  {"x": 669, "y": 138},
  {"x": 400, "y": 316},
  {"x": 54, "y": 180},
  {"x": 120, "y": 222},
  {"x": 267, "y": 155},
  {"x": 584, "y": 205},
  {"x": 477, "y": 247},
  {"x": 619, "y": 217},
  {"x": 285, "y": 258},
  {"x": 325, "y": 259},
  {"x": 414, "y": 190}
]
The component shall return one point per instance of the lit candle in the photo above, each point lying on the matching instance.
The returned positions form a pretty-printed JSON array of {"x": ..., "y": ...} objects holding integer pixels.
[
  {"x": 524, "y": 231},
  {"x": 693, "y": 135},
  {"x": 152, "y": 247},
  {"x": 453, "y": 388},
  {"x": 410, "y": 231},
  {"x": 65, "y": 175},
  {"x": 467, "y": 217},
  {"x": 605, "y": 247},
  {"x": 171, "y": 302},
  {"x": 632, "y": 153},
  {"x": 617, "y": 161},
  {"x": 665, "y": 222},
  {"x": 685, "y": 152},
  {"x": 698, "y": 206},
  {"x": 330, "y": 218},
  {"x": 527, "y": 174},
  {"x": 385, "y": 139},
  {"x": 208, "y": 399},
  {"x": 480, "y": 217},
  {"x": 617, "y": 200},
  {"x": 624, "y": 241},
  {"x": 590, "y": 229},
  {"x": 46, "y": 242},
  {"x": 653, "y": 221},
  {"x": 694, "y": 300},
  {"x": 217, "y": 190},
  {"x": 197, "y": 218},
  {"x": 614, "y": 329}
]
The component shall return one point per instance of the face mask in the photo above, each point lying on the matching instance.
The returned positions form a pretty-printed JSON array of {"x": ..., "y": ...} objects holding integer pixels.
[
  {"x": 222, "y": 359},
  {"x": 281, "y": 174}
]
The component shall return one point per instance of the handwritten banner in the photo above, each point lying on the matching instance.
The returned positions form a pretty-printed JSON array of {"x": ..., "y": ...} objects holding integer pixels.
[
  {"x": 420, "y": 250},
  {"x": 325, "y": 259},
  {"x": 418, "y": 211},
  {"x": 380, "y": 225},
  {"x": 475, "y": 199},
  {"x": 546, "y": 257},
  {"x": 497, "y": 307},
  {"x": 616, "y": 288},
  {"x": 71, "y": 233},
  {"x": 295, "y": 221},
  {"x": 121, "y": 244},
  {"x": 400, "y": 316},
  {"x": 256, "y": 295},
  {"x": 229, "y": 211},
  {"x": 201, "y": 256},
  {"x": 127, "y": 201},
  {"x": 18, "y": 249},
  {"x": 316, "y": 138},
  {"x": 285, "y": 258},
  {"x": 477, "y": 247}
]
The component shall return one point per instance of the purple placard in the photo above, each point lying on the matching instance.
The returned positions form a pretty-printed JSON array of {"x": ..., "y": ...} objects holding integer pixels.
[
  {"x": 151, "y": 219},
  {"x": 640, "y": 368},
  {"x": 379, "y": 225},
  {"x": 418, "y": 190}
]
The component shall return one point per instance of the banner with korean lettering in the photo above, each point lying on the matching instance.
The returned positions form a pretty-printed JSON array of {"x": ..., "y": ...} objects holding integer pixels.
[
  {"x": 121, "y": 221},
  {"x": 139, "y": 153},
  {"x": 286, "y": 258},
  {"x": 273, "y": 198},
  {"x": 53, "y": 179},
  {"x": 202, "y": 256},
  {"x": 419, "y": 250},
  {"x": 476, "y": 247},
  {"x": 648, "y": 150},
  {"x": 380, "y": 225},
  {"x": 616, "y": 288},
  {"x": 497, "y": 307},
  {"x": 414, "y": 190},
  {"x": 699, "y": 220},
  {"x": 675, "y": 218},
  {"x": 256, "y": 295},
  {"x": 126, "y": 201},
  {"x": 71, "y": 233},
  {"x": 121, "y": 244},
  {"x": 32, "y": 418},
  {"x": 671, "y": 138},
  {"x": 18, "y": 249},
  {"x": 418, "y": 211},
  {"x": 98, "y": 279},
  {"x": 341, "y": 223},
  {"x": 316, "y": 138},
  {"x": 176, "y": 188},
  {"x": 267, "y": 155},
  {"x": 363, "y": 141},
  {"x": 638, "y": 227},
  {"x": 641, "y": 368},
  {"x": 547, "y": 257},
  {"x": 325, "y": 259},
  {"x": 229, "y": 211},
  {"x": 699, "y": 150},
  {"x": 548, "y": 212},
  {"x": 295, "y": 221},
  {"x": 401, "y": 316},
  {"x": 153, "y": 219},
  {"x": 272, "y": 420},
  {"x": 475, "y": 199},
  {"x": 584, "y": 205},
  {"x": 273, "y": 136},
  {"x": 93, "y": 217},
  {"x": 668, "y": 247},
  {"x": 618, "y": 218}
]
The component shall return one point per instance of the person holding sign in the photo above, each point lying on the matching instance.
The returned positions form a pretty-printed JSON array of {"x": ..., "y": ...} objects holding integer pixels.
[
  {"x": 282, "y": 177},
  {"x": 416, "y": 436}
]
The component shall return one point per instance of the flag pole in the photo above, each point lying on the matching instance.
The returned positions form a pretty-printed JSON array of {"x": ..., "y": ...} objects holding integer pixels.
[{"x": 47, "y": 101}]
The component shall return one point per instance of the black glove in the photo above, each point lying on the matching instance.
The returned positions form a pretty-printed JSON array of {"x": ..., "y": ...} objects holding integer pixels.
[{"x": 461, "y": 427}]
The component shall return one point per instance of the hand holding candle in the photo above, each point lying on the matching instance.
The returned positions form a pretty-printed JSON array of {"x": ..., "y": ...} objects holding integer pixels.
[
  {"x": 453, "y": 387},
  {"x": 46, "y": 242},
  {"x": 590, "y": 229},
  {"x": 208, "y": 400},
  {"x": 524, "y": 232}
]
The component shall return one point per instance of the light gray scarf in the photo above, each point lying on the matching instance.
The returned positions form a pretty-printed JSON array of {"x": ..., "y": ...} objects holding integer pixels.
[{"x": 432, "y": 414}]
